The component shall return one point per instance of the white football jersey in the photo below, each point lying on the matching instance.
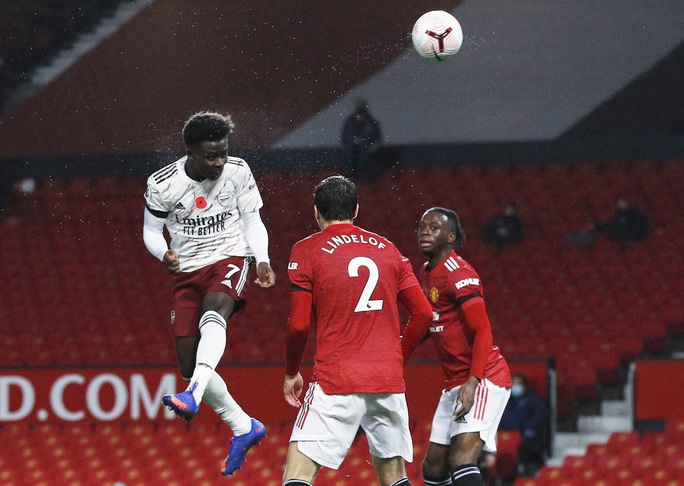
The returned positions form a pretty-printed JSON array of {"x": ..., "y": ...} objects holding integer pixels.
[{"x": 204, "y": 218}]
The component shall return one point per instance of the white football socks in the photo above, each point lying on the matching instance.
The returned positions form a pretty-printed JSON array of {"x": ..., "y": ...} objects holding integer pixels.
[
  {"x": 217, "y": 397},
  {"x": 206, "y": 384},
  {"x": 212, "y": 344}
]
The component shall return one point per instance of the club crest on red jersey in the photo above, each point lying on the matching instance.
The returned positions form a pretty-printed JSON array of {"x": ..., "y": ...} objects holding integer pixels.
[{"x": 434, "y": 295}]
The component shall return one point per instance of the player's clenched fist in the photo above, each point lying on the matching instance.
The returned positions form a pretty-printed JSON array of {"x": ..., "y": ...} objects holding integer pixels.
[{"x": 171, "y": 262}]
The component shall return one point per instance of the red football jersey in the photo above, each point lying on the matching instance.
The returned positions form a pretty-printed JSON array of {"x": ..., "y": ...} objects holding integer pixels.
[
  {"x": 354, "y": 276},
  {"x": 452, "y": 285}
]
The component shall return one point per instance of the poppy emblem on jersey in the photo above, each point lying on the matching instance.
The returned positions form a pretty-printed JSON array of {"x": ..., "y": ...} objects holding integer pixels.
[
  {"x": 224, "y": 198},
  {"x": 200, "y": 202},
  {"x": 434, "y": 295}
]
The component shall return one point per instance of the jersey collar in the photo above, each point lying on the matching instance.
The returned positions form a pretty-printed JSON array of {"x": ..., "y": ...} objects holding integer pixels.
[
  {"x": 441, "y": 264},
  {"x": 338, "y": 227}
]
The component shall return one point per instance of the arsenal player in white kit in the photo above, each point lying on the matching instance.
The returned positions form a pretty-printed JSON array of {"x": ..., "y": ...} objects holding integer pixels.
[
  {"x": 351, "y": 278},
  {"x": 210, "y": 205},
  {"x": 478, "y": 380}
]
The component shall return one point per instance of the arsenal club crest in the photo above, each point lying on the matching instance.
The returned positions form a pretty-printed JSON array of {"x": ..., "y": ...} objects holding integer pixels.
[{"x": 224, "y": 199}]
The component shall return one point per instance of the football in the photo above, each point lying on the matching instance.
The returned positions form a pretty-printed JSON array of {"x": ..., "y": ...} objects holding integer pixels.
[{"x": 437, "y": 35}]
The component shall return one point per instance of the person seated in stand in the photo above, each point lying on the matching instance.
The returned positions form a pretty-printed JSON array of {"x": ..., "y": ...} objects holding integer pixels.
[
  {"x": 627, "y": 224},
  {"x": 528, "y": 413},
  {"x": 506, "y": 228}
]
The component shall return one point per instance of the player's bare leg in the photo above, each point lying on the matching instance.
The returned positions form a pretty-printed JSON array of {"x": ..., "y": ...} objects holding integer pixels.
[
  {"x": 436, "y": 470},
  {"x": 299, "y": 467},
  {"x": 186, "y": 354},
  {"x": 390, "y": 472},
  {"x": 464, "y": 454}
]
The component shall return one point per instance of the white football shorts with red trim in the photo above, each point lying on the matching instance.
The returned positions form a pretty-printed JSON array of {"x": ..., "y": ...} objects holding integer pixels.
[
  {"x": 484, "y": 416},
  {"x": 327, "y": 424}
]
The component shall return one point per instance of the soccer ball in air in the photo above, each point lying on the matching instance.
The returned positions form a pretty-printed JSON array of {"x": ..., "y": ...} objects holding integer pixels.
[{"x": 437, "y": 35}]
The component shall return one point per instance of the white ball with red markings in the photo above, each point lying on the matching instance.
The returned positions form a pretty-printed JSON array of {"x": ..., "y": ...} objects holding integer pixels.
[{"x": 437, "y": 35}]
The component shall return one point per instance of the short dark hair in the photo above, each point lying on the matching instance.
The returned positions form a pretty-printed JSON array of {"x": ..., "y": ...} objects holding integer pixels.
[
  {"x": 452, "y": 217},
  {"x": 336, "y": 198},
  {"x": 206, "y": 126}
]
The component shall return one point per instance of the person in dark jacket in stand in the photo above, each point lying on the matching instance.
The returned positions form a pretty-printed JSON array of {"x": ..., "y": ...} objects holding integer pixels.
[
  {"x": 528, "y": 413},
  {"x": 627, "y": 224},
  {"x": 361, "y": 137},
  {"x": 506, "y": 228}
]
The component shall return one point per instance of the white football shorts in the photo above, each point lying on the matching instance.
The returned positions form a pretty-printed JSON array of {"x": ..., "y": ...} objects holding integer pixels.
[
  {"x": 484, "y": 416},
  {"x": 327, "y": 424}
]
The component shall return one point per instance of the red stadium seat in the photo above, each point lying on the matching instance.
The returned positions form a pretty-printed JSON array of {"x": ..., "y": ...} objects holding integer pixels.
[
  {"x": 620, "y": 476},
  {"x": 675, "y": 464},
  {"x": 529, "y": 482},
  {"x": 674, "y": 428},
  {"x": 621, "y": 441},
  {"x": 555, "y": 475},
  {"x": 508, "y": 443},
  {"x": 654, "y": 441},
  {"x": 598, "y": 452},
  {"x": 592, "y": 475},
  {"x": 571, "y": 464}
]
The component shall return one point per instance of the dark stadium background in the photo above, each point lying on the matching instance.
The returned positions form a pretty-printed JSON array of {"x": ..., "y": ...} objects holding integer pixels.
[{"x": 561, "y": 108}]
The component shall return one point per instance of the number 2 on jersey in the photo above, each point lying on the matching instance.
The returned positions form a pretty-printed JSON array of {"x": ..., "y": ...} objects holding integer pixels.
[{"x": 365, "y": 304}]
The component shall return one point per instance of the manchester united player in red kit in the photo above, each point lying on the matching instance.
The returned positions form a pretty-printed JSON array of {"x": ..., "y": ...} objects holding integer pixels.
[
  {"x": 351, "y": 278},
  {"x": 478, "y": 380}
]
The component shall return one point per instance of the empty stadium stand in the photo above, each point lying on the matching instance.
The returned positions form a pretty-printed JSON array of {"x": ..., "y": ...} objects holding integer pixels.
[
  {"x": 140, "y": 455},
  {"x": 627, "y": 459}
]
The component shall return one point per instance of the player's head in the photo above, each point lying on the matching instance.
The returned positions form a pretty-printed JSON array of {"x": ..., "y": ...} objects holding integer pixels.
[
  {"x": 336, "y": 199},
  {"x": 439, "y": 231},
  {"x": 519, "y": 385},
  {"x": 205, "y": 135},
  {"x": 206, "y": 126}
]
